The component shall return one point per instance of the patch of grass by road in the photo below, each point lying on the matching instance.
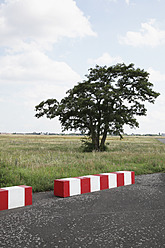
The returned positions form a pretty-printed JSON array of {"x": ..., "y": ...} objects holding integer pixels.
[{"x": 38, "y": 160}]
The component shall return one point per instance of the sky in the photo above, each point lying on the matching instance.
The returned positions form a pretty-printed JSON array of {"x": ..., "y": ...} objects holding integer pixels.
[{"x": 47, "y": 47}]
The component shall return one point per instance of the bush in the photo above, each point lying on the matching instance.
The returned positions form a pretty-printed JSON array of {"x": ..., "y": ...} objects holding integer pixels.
[{"x": 87, "y": 146}]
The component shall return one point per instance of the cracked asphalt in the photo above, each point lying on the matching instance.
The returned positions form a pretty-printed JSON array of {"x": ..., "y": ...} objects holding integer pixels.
[{"x": 129, "y": 216}]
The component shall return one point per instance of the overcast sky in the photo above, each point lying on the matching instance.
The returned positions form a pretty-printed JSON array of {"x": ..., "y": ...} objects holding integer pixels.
[{"x": 47, "y": 46}]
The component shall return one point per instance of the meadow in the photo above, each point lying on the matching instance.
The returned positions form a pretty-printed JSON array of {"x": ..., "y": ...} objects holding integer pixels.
[{"x": 38, "y": 160}]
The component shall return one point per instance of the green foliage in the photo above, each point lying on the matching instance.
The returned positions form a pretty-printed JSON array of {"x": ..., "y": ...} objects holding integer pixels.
[
  {"x": 88, "y": 146},
  {"x": 102, "y": 104}
]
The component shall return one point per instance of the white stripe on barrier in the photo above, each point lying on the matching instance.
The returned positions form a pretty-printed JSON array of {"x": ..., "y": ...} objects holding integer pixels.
[
  {"x": 112, "y": 177},
  {"x": 127, "y": 177},
  {"x": 94, "y": 182},
  {"x": 16, "y": 196},
  {"x": 74, "y": 185}
]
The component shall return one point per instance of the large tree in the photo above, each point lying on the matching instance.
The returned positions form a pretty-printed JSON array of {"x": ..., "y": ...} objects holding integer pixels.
[{"x": 109, "y": 98}]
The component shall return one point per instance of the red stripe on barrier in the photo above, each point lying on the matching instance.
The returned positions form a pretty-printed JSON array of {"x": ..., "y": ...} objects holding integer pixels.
[
  {"x": 3, "y": 199},
  {"x": 133, "y": 177},
  {"x": 85, "y": 184},
  {"x": 120, "y": 178},
  {"x": 61, "y": 188},
  {"x": 28, "y": 194},
  {"x": 104, "y": 182}
]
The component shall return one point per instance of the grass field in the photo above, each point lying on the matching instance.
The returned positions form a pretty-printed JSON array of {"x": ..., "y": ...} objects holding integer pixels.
[{"x": 38, "y": 160}]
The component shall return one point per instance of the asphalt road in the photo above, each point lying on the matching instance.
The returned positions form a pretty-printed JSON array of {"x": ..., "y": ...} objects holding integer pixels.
[
  {"x": 129, "y": 216},
  {"x": 162, "y": 140}
]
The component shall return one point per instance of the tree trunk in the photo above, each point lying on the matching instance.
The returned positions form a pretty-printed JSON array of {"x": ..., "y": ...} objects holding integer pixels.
[
  {"x": 95, "y": 141},
  {"x": 94, "y": 135},
  {"x": 103, "y": 138}
]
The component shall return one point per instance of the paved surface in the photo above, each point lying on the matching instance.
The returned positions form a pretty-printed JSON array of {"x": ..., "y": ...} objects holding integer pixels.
[
  {"x": 129, "y": 216},
  {"x": 162, "y": 140}
]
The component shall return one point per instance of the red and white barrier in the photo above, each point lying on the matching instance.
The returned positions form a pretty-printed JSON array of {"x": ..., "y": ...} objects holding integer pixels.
[
  {"x": 129, "y": 177},
  {"x": 79, "y": 185},
  {"x": 15, "y": 196}
]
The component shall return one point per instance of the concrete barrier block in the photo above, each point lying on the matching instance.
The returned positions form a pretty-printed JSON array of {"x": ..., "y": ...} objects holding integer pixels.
[
  {"x": 28, "y": 194},
  {"x": 67, "y": 187},
  {"x": 120, "y": 178},
  {"x": 112, "y": 179},
  {"x": 94, "y": 182},
  {"x": 74, "y": 184},
  {"x": 85, "y": 184},
  {"x": 90, "y": 183},
  {"x": 61, "y": 188},
  {"x": 104, "y": 181},
  {"x": 129, "y": 177},
  {"x": 15, "y": 196}
]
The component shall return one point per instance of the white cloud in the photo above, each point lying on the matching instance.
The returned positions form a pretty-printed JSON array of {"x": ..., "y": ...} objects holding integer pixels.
[
  {"x": 156, "y": 111},
  {"x": 127, "y": 2},
  {"x": 149, "y": 35},
  {"x": 37, "y": 75},
  {"x": 105, "y": 59},
  {"x": 158, "y": 80},
  {"x": 33, "y": 67},
  {"x": 156, "y": 76},
  {"x": 41, "y": 21},
  {"x": 27, "y": 29}
]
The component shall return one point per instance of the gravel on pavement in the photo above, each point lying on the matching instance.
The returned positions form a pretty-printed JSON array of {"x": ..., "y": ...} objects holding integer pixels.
[{"x": 129, "y": 216}]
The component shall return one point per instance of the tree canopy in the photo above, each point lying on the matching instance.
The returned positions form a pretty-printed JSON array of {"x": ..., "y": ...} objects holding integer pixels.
[{"x": 109, "y": 98}]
